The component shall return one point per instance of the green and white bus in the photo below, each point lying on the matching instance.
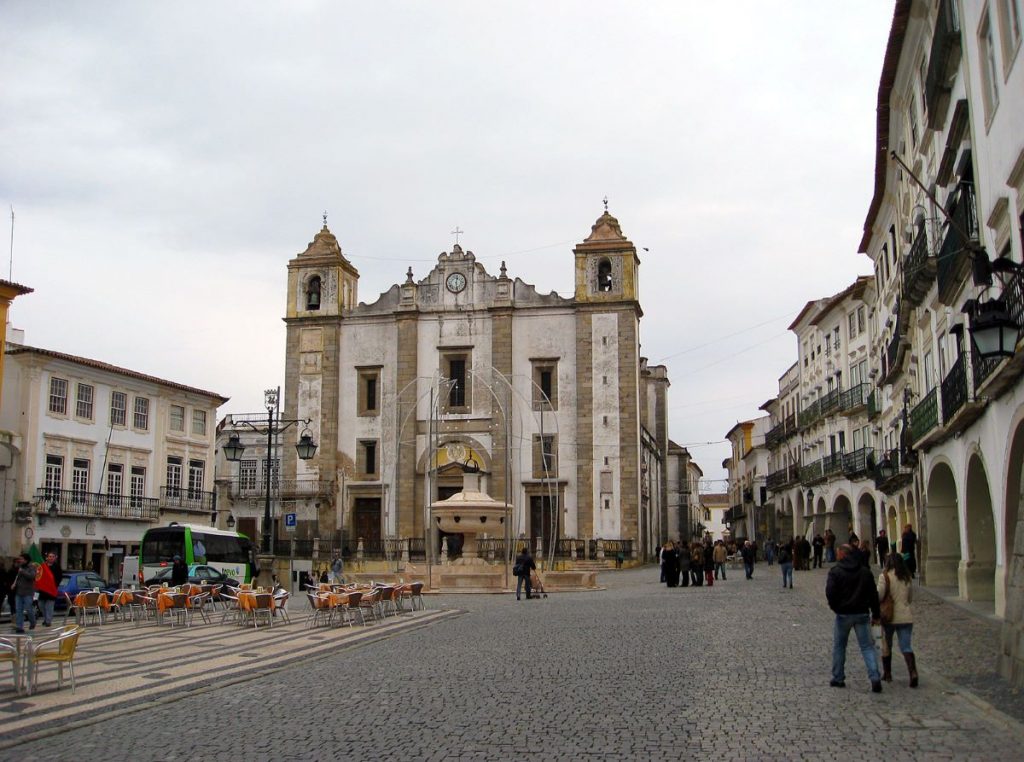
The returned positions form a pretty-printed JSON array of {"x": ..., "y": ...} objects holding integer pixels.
[{"x": 229, "y": 552}]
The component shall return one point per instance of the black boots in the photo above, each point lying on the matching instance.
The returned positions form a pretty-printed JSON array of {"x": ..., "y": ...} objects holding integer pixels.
[
  {"x": 911, "y": 668},
  {"x": 887, "y": 668}
]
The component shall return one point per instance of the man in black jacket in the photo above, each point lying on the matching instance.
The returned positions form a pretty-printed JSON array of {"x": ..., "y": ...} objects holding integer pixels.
[
  {"x": 852, "y": 595},
  {"x": 524, "y": 565}
]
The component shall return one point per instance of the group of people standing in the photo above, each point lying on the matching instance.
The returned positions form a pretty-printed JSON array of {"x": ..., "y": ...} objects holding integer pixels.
[
  {"x": 700, "y": 563},
  {"x": 21, "y": 583}
]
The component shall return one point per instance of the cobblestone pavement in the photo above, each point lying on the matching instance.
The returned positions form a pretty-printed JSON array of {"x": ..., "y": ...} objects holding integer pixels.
[{"x": 736, "y": 671}]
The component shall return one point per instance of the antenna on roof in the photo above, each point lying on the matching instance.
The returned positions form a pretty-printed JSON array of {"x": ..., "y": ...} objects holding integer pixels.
[{"x": 10, "y": 266}]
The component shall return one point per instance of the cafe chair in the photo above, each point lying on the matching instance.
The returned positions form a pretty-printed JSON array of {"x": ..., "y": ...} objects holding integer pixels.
[
  {"x": 281, "y": 606},
  {"x": 229, "y": 601},
  {"x": 9, "y": 654},
  {"x": 71, "y": 607},
  {"x": 59, "y": 650},
  {"x": 91, "y": 605},
  {"x": 264, "y": 609},
  {"x": 197, "y": 605},
  {"x": 416, "y": 596}
]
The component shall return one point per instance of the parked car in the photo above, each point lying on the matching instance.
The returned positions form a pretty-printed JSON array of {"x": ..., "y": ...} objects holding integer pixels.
[
  {"x": 74, "y": 582},
  {"x": 198, "y": 574}
]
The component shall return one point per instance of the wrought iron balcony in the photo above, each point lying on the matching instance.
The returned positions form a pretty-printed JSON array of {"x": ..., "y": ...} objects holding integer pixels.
[
  {"x": 925, "y": 416},
  {"x": 96, "y": 505},
  {"x": 894, "y": 470},
  {"x": 810, "y": 415},
  {"x": 191, "y": 500},
  {"x": 859, "y": 462},
  {"x": 830, "y": 402},
  {"x": 873, "y": 408},
  {"x": 954, "y": 389},
  {"x": 918, "y": 269},
  {"x": 791, "y": 427},
  {"x": 853, "y": 398},
  {"x": 775, "y": 435},
  {"x": 943, "y": 61},
  {"x": 832, "y": 465},
  {"x": 282, "y": 488},
  {"x": 812, "y": 473},
  {"x": 954, "y": 259},
  {"x": 776, "y": 479}
]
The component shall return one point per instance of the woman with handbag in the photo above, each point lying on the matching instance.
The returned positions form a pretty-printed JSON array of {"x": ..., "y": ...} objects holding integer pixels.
[{"x": 895, "y": 594}]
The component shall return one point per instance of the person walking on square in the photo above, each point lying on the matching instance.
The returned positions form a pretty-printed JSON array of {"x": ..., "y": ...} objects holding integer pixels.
[
  {"x": 805, "y": 554},
  {"x": 7, "y": 577},
  {"x": 749, "y": 552},
  {"x": 882, "y": 547},
  {"x": 337, "y": 569},
  {"x": 684, "y": 564},
  {"x": 709, "y": 564},
  {"x": 853, "y": 597},
  {"x": 908, "y": 547},
  {"x": 46, "y": 585},
  {"x": 720, "y": 555},
  {"x": 894, "y": 581},
  {"x": 786, "y": 564},
  {"x": 523, "y": 569},
  {"x": 24, "y": 587},
  {"x": 179, "y": 572},
  {"x": 697, "y": 564},
  {"x": 830, "y": 546},
  {"x": 769, "y": 551},
  {"x": 818, "y": 544},
  {"x": 670, "y": 564}
]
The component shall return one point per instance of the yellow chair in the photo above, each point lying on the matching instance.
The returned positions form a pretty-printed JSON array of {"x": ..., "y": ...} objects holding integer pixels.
[
  {"x": 9, "y": 653},
  {"x": 59, "y": 650}
]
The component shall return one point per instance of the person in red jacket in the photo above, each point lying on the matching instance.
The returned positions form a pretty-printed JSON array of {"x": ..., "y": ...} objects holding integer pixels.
[{"x": 47, "y": 582}]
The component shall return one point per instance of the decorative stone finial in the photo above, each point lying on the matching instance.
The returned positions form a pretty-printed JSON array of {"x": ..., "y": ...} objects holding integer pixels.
[
  {"x": 503, "y": 273},
  {"x": 408, "y": 275},
  {"x": 605, "y": 202}
]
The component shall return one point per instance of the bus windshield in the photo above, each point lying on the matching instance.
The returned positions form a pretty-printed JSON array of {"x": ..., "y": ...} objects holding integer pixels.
[{"x": 161, "y": 545}]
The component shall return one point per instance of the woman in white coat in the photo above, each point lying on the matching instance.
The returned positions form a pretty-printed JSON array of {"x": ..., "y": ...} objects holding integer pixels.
[{"x": 895, "y": 581}]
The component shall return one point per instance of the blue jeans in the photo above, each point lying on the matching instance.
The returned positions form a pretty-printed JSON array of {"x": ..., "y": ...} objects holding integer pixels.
[
  {"x": 719, "y": 568},
  {"x": 830, "y": 555},
  {"x": 519, "y": 586},
  {"x": 748, "y": 567},
  {"x": 903, "y": 633},
  {"x": 861, "y": 625},
  {"x": 48, "y": 605},
  {"x": 24, "y": 605},
  {"x": 787, "y": 573},
  {"x": 769, "y": 556}
]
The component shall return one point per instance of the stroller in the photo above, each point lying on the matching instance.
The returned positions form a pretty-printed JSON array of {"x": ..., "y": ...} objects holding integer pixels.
[{"x": 537, "y": 585}]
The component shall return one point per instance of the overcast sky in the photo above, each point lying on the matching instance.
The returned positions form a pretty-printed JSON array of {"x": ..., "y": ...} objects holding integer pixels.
[{"x": 165, "y": 161}]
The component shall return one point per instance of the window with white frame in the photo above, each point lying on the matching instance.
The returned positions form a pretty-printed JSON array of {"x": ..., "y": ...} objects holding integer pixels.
[
  {"x": 174, "y": 464},
  {"x": 58, "y": 395},
  {"x": 989, "y": 69},
  {"x": 177, "y": 418},
  {"x": 118, "y": 408},
  {"x": 247, "y": 474},
  {"x": 196, "y": 476},
  {"x": 79, "y": 479},
  {"x": 137, "y": 486},
  {"x": 54, "y": 479},
  {"x": 115, "y": 480},
  {"x": 199, "y": 422},
  {"x": 83, "y": 401},
  {"x": 141, "y": 418},
  {"x": 275, "y": 472},
  {"x": 1009, "y": 32}
]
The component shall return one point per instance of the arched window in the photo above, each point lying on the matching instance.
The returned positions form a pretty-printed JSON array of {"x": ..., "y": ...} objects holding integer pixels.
[
  {"x": 604, "y": 275},
  {"x": 313, "y": 293}
]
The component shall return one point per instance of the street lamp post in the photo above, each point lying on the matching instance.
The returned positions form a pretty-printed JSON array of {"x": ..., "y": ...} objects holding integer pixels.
[{"x": 305, "y": 448}]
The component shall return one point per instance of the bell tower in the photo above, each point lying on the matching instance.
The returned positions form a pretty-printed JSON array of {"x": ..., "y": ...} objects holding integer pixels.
[
  {"x": 322, "y": 285},
  {"x": 607, "y": 383}
]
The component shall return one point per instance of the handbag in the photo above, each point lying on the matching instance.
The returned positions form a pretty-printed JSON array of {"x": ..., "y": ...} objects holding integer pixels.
[
  {"x": 886, "y": 605},
  {"x": 517, "y": 571}
]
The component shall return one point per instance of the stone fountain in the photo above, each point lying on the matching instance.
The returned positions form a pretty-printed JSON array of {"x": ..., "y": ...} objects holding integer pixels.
[{"x": 470, "y": 513}]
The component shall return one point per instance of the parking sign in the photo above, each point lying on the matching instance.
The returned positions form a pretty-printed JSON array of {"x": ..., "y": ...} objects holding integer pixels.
[{"x": 289, "y": 522}]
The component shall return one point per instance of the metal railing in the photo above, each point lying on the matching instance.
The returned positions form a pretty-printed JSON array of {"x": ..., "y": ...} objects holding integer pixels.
[
  {"x": 873, "y": 408},
  {"x": 925, "y": 415},
  {"x": 832, "y": 464},
  {"x": 282, "y": 488},
  {"x": 918, "y": 268},
  {"x": 982, "y": 368},
  {"x": 859, "y": 461},
  {"x": 854, "y": 397},
  {"x": 812, "y": 472},
  {"x": 954, "y": 389},
  {"x": 96, "y": 505},
  {"x": 830, "y": 402},
  {"x": 180, "y": 499},
  {"x": 810, "y": 415}
]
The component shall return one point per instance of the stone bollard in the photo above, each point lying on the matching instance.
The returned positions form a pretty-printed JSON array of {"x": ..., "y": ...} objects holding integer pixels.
[
  {"x": 359, "y": 551},
  {"x": 405, "y": 554},
  {"x": 572, "y": 550},
  {"x": 633, "y": 552},
  {"x": 444, "y": 550},
  {"x": 540, "y": 547},
  {"x": 600, "y": 550}
]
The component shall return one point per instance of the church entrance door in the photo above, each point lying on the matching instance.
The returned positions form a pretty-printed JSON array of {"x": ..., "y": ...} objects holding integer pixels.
[
  {"x": 366, "y": 523},
  {"x": 544, "y": 521},
  {"x": 454, "y": 540}
]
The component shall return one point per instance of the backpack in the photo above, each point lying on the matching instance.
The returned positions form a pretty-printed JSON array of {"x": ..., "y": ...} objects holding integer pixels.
[{"x": 517, "y": 570}]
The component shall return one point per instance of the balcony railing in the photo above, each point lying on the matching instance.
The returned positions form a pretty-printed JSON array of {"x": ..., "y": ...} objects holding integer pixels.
[
  {"x": 918, "y": 269},
  {"x": 832, "y": 464},
  {"x": 791, "y": 427},
  {"x": 775, "y": 435},
  {"x": 811, "y": 473},
  {"x": 284, "y": 488},
  {"x": 859, "y": 462},
  {"x": 942, "y": 63},
  {"x": 1013, "y": 296},
  {"x": 776, "y": 479},
  {"x": 830, "y": 402},
  {"x": 954, "y": 255},
  {"x": 810, "y": 415},
  {"x": 179, "y": 499},
  {"x": 854, "y": 397},
  {"x": 925, "y": 415},
  {"x": 954, "y": 389},
  {"x": 96, "y": 505}
]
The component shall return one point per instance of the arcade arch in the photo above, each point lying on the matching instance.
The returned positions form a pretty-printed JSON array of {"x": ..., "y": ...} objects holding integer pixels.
[
  {"x": 977, "y": 570},
  {"x": 943, "y": 527}
]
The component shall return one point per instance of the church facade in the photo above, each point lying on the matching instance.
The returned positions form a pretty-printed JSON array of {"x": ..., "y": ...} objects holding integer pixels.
[{"x": 547, "y": 395}]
